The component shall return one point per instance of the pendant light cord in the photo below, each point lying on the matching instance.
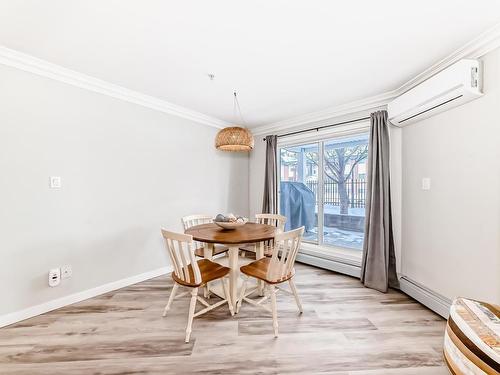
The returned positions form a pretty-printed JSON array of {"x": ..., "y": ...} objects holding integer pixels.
[{"x": 236, "y": 106}]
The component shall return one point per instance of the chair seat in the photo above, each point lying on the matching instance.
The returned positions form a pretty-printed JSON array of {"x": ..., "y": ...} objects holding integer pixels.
[
  {"x": 209, "y": 271},
  {"x": 259, "y": 268},
  {"x": 218, "y": 249},
  {"x": 268, "y": 249}
]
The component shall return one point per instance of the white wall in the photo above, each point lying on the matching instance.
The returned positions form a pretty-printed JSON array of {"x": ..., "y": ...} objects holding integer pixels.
[
  {"x": 451, "y": 234},
  {"x": 126, "y": 171}
]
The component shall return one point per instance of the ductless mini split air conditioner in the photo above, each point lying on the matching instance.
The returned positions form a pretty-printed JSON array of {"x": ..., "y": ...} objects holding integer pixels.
[{"x": 456, "y": 85}]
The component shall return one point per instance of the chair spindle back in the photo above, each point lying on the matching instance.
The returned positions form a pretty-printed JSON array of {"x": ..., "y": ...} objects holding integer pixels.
[
  {"x": 192, "y": 220},
  {"x": 275, "y": 220},
  {"x": 282, "y": 261},
  {"x": 181, "y": 252}
]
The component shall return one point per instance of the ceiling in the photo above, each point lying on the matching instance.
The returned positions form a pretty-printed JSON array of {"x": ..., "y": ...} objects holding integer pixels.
[{"x": 285, "y": 58}]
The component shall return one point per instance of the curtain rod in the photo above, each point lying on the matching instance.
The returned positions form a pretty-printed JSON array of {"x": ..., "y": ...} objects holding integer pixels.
[{"x": 322, "y": 127}]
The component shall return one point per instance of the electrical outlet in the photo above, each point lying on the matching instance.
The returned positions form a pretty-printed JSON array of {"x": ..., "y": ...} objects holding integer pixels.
[
  {"x": 426, "y": 183},
  {"x": 54, "y": 277},
  {"x": 55, "y": 182},
  {"x": 66, "y": 271}
]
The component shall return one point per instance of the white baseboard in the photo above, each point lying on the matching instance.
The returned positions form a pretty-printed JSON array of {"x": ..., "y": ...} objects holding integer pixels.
[
  {"x": 32, "y": 311},
  {"x": 332, "y": 265},
  {"x": 434, "y": 301}
]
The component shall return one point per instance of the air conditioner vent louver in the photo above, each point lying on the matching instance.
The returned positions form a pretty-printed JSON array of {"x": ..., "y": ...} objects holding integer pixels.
[
  {"x": 454, "y": 86},
  {"x": 430, "y": 109}
]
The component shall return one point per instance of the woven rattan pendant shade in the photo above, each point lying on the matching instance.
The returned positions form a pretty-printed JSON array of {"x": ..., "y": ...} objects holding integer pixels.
[{"x": 234, "y": 139}]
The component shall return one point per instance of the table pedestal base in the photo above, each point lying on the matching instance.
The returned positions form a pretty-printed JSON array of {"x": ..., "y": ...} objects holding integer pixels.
[{"x": 235, "y": 281}]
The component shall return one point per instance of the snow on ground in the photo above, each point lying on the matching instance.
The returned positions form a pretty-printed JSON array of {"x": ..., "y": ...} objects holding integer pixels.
[
  {"x": 335, "y": 210},
  {"x": 337, "y": 237}
]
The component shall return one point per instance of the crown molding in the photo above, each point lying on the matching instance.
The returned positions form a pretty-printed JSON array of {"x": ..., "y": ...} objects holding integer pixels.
[
  {"x": 325, "y": 116},
  {"x": 19, "y": 60},
  {"x": 476, "y": 48}
]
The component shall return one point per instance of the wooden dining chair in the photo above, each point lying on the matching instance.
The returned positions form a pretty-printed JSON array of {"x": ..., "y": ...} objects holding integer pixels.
[
  {"x": 193, "y": 274},
  {"x": 192, "y": 220},
  {"x": 274, "y": 271},
  {"x": 275, "y": 220}
]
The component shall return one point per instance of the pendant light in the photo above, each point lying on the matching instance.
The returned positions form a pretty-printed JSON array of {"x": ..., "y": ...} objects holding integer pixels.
[{"x": 234, "y": 138}]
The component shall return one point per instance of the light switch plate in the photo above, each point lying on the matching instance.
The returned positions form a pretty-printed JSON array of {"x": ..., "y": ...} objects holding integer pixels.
[
  {"x": 426, "y": 183},
  {"x": 55, "y": 182}
]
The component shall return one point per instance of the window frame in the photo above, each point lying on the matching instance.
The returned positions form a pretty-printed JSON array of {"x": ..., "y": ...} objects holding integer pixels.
[{"x": 319, "y": 249}]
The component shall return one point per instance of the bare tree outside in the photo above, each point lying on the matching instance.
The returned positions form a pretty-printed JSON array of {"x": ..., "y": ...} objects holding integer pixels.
[
  {"x": 340, "y": 163},
  {"x": 340, "y": 198}
]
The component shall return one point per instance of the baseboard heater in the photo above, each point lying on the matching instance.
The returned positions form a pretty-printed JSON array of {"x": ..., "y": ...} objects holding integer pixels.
[
  {"x": 330, "y": 264},
  {"x": 427, "y": 297}
]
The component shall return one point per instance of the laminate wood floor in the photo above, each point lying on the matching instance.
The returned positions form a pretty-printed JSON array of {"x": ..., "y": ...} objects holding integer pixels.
[{"x": 346, "y": 329}]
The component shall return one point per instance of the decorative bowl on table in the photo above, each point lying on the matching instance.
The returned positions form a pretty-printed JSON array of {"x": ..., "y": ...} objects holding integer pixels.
[{"x": 230, "y": 221}]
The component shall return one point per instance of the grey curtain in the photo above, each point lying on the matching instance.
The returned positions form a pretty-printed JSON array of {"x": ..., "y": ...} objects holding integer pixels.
[
  {"x": 270, "y": 199},
  {"x": 378, "y": 269}
]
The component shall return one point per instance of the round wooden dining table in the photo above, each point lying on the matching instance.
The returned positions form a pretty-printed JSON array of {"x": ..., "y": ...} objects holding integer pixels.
[{"x": 211, "y": 234}]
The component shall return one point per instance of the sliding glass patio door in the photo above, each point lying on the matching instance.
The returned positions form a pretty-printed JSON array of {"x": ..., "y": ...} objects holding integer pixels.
[
  {"x": 299, "y": 171},
  {"x": 323, "y": 187}
]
